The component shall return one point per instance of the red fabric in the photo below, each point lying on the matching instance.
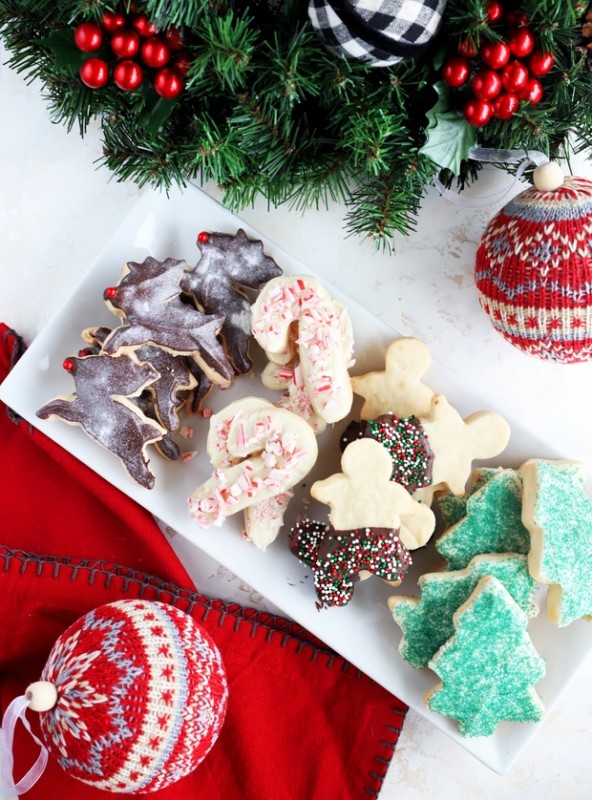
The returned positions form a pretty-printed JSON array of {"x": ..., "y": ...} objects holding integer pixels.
[{"x": 302, "y": 724}]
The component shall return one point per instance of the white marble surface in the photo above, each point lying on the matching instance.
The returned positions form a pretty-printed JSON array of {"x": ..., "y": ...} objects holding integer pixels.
[{"x": 56, "y": 211}]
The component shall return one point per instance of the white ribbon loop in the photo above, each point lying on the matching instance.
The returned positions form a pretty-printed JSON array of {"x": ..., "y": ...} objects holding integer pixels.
[
  {"x": 9, "y": 790},
  {"x": 491, "y": 155}
]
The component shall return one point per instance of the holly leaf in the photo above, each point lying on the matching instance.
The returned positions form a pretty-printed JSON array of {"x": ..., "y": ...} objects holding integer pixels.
[
  {"x": 66, "y": 54},
  {"x": 449, "y": 135}
]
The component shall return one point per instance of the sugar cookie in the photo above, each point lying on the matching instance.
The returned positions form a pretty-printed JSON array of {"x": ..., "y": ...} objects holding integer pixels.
[
  {"x": 398, "y": 389},
  {"x": 558, "y": 514},
  {"x": 426, "y": 622},
  {"x": 493, "y": 522},
  {"x": 228, "y": 265},
  {"x": 457, "y": 442},
  {"x": 405, "y": 440},
  {"x": 102, "y": 406},
  {"x": 300, "y": 326},
  {"x": 489, "y": 667},
  {"x": 363, "y": 496},
  {"x": 148, "y": 299},
  {"x": 262, "y": 451},
  {"x": 339, "y": 558}
]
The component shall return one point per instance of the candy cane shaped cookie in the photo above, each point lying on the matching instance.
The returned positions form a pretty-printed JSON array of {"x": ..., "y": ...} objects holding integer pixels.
[
  {"x": 300, "y": 326},
  {"x": 258, "y": 452}
]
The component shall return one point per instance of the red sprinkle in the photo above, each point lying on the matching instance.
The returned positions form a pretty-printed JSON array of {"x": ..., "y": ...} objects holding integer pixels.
[
  {"x": 203, "y": 237},
  {"x": 69, "y": 365},
  {"x": 110, "y": 293}
]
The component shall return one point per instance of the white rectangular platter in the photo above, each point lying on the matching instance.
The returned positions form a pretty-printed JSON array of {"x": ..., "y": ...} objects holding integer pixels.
[{"x": 363, "y": 631}]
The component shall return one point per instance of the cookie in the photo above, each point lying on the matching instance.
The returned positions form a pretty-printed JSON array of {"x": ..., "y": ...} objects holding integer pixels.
[
  {"x": 405, "y": 440},
  {"x": 301, "y": 327},
  {"x": 228, "y": 265},
  {"x": 148, "y": 300},
  {"x": 363, "y": 496},
  {"x": 457, "y": 442},
  {"x": 493, "y": 522},
  {"x": 339, "y": 558},
  {"x": 262, "y": 451},
  {"x": 102, "y": 406},
  {"x": 558, "y": 514},
  {"x": 398, "y": 389},
  {"x": 426, "y": 622},
  {"x": 489, "y": 667},
  {"x": 453, "y": 507}
]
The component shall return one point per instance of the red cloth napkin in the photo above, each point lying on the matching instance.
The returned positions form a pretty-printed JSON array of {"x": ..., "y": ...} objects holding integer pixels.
[{"x": 302, "y": 723}]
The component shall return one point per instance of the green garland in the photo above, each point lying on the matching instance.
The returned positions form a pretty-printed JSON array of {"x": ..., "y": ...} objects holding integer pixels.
[{"x": 267, "y": 110}]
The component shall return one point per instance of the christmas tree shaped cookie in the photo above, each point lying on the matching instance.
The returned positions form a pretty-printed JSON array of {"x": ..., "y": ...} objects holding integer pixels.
[
  {"x": 489, "y": 667},
  {"x": 453, "y": 507},
  {"x": 558, "y": 514},
  {"x": 492, "y": 524},
  {"x": 426, "y": 622}
]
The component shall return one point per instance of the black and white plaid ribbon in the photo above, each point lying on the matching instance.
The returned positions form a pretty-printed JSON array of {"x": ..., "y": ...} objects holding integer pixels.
[{"x": 379, "y": 32}]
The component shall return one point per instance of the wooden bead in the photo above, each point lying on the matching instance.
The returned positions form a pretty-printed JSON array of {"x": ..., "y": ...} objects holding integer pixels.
[{"x": 548, "y": 177}]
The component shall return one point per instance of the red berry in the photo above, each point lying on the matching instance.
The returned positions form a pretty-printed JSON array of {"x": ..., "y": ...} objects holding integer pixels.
[
  {"x": 540, "y": 64},
  {"x": 506, "y": 105},
  {"x": 518, "y": 18},
  {"x": 494, "y": 11},
  {"x": 467, "y": 49},
  {"x": 532, "y": 92},
  {"x": 495, "y": 54},
  {"x": 174, "y": 39},
  {"x": 94, "y": 73},
  {"x": 143, "y": 26},
  {"x": 455, "y": 71},
  {"x": 168, "y": 83},
  {"x": 125, "y": 43},
  {"x": 182, "y": 63},
  {"x": 521, "y": 41},
  {"x": 127, "y": 75},
  {"x": 111, "y": 21},
  {"x": 486, "y": 84},
  {"x": 514, "y": 76},
  {"x": 69, "y": 364},
  {"x": 203, "y": 237},
  {"x": 88, "y": 37},
  {"x": 155, "y": 52},
  {"x": 478, "y": 112}
]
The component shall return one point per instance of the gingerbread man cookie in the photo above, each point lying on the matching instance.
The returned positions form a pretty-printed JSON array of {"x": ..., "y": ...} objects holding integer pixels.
[
  {"x": 339, "y": 559},
  {"x": 398, "y": 388},
  {"x": 363, "y": 495},
  {"x": 457, "y": 442}
]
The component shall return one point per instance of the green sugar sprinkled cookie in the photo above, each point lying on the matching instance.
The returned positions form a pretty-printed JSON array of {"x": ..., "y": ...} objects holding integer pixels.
[
  {"x": 489, "y": 667},
  {"x": 493, "y": 523},
  {"x": 558, "y": 514},
  {"x": 426, "y": 622}
]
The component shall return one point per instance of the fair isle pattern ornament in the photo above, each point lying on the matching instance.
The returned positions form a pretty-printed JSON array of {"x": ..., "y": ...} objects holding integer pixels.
[
  {"x": 141, "y": 696},
  {"x": 533, "y": 268}
]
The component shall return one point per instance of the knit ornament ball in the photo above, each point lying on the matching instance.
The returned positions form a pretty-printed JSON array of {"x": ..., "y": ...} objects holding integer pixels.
[
  {"x": 141, "y": 696},
  {"x": 533, "y": 269}
]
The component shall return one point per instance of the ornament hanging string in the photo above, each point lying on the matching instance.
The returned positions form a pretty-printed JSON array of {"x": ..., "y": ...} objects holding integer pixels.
[
  {"x": 491, "y": 155},
  {"x": 9, "y": 790}
]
